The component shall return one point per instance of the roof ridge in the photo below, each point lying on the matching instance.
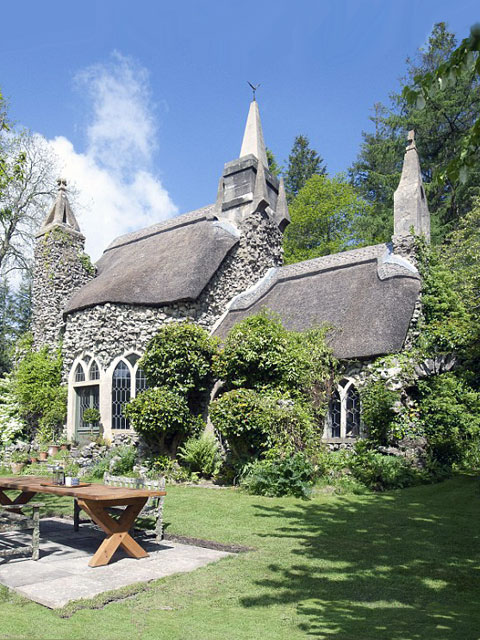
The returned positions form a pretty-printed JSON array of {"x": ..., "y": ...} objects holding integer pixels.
[
  {"x": 190, "y": 217},
  {"x": 306, "y": 267},
  {"x": 333, "y": 260}
]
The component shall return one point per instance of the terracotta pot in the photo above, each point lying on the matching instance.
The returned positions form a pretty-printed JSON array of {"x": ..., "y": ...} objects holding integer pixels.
[
  {"x": 53, "y": 449},
  {"x": 17, "y": 466},
  {"x": 33, "y": 459},
  {"x": 42, "y": 455},
  {"x": 64, "y": 447}
]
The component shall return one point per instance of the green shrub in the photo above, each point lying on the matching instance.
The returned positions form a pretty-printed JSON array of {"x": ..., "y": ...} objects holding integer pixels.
[
  {"x": 91, "y": 415},
  {"x": 291, "y": 475},
  {"x": 20, "y": 456},
  {"x": 378, "y": 415},
  {"x": 332, "y": 465},
  {"x": 179, "y": 357},
  {"x": 450, "y": 412},
  {"x": 162, "y": 417},
  {"x": 381, "y": 472},
  {"x": 41, "y": 398},
  {"x": 239, "y": 416},
  {"x": 253, "y": 423},
  {"x": 447, "y": 323},
  {"x": 168, "y": 467},
  {"x": 260, "y": 353},
  {"x": 118, "y": 461},
  {"x": 201, "y": 455}
]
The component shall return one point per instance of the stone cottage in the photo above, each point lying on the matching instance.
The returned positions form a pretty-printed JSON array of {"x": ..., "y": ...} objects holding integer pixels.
[{"x": 216, "y": 265}]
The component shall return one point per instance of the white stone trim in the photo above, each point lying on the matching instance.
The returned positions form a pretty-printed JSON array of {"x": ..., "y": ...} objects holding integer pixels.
[{"x": 342, "y": 391}]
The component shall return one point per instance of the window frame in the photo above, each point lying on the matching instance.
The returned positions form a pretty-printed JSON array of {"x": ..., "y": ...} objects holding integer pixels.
[
  {"x": 344, "y": 386},
  {"x": 125, "y": 358}
]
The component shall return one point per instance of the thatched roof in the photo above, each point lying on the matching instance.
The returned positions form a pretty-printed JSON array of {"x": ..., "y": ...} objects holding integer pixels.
[
  {"x": 169, "y": 262},
  {"x": 367, "y": 297}
]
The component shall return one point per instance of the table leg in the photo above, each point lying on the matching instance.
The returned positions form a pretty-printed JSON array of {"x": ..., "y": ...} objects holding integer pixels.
[
  {"x": 22, "y": 498},
  {"x": 117, "y": 531}
]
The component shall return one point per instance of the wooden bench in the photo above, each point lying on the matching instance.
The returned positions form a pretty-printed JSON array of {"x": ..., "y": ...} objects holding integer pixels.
[
  {"x": 12, "y": 520},
  {"x": 153, "y": 507}
]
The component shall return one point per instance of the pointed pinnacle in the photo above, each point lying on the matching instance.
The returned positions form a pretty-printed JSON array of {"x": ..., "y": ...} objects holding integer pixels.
[
  {"x": 253, "y": 142},
  {"x": 282, "y": 215}
]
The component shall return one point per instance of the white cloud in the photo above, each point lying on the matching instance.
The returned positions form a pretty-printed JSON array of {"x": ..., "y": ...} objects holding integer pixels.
[{"x": 118, "y": 191}]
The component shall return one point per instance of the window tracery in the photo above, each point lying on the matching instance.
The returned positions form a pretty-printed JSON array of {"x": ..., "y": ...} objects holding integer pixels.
[{"x": 344, "y": 420}]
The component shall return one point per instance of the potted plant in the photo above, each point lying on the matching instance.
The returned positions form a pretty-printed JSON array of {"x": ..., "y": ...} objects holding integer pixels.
[
  {"x": 53, "y": 448},
  {"x": 18, "y": 460},
  {"x": 44, "y": 437},
  {"x": 64, "y": 444},
  {"x": 91, "y": 416}
]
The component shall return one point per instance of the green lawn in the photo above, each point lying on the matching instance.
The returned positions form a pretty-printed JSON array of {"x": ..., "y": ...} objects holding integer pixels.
[{"x": 400, "y": 565}]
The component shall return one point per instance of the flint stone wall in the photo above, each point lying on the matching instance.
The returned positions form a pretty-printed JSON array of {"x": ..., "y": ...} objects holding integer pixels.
[
  {"x": 109, "y": 330},
  {"x": 61, "y": 267}
]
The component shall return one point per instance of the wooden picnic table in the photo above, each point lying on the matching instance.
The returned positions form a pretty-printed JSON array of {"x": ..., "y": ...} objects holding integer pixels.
[{"x": 95, "y": 500}]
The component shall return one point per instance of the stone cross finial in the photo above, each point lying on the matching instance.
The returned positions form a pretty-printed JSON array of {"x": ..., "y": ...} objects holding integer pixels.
[
  {"x": 62, "y": 184},
  {"x": 411, "y": 139}
]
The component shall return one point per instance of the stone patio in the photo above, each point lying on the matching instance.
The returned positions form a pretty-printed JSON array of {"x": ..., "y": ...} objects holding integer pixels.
[{"x": 62, "y": 574}]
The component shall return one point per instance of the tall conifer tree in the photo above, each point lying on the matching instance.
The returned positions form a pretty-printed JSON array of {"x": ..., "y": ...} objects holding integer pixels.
[{"x": 303, "y": 163}]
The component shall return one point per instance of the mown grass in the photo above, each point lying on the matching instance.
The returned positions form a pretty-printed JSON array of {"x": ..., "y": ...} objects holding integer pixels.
[{"x": 403, "y": 565}]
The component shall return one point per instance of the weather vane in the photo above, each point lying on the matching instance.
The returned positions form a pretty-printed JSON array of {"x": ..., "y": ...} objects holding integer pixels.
[{"x": 254, "y": 88}]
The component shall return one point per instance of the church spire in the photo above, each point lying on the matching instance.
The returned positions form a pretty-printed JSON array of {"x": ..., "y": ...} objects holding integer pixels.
[
  {"x": 61, "y": 213},
  {"x": 253, "y": 137},
  {"x": 410, "y": 207}
]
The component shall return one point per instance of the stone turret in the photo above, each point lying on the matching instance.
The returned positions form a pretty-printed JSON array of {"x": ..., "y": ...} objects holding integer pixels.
[
  {"x": 247, "y": 185},
  {"x": 409, "y": 201},
  {"x": 60, "y": 268}
]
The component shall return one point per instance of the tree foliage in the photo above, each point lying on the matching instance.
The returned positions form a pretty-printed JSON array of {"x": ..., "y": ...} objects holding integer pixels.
[
  {"x": 323, "y": 219},
  {"x": 41, "y": 398},
  {"x": 450, "y": 411},
  {"x": 26, "y": 197},
  {"x": 161, "y": 416},
  {"x": 273, "y": 166},
  {"x": 259, "y": 353},
  {"x": 442, "y": 126},
  {"x": 179, "y": 357},
  {"x": 461, "y": 254},
  {"x": 464, "y": 62},
  {"x": 15, "y": 314},
  {"x": 303, "y": 163}
]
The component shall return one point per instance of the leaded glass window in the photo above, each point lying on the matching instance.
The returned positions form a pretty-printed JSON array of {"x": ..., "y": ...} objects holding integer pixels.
[
  {"x": 94, "y": 371},
  {"x": 352, "y": 427},
  {"x": 132, "y": 358},
  {"x": 344, "y": 420},
  {"x": 79, "y": 373},
  {"x": 121, "y": 393},
  {"x": 335, "y": 415},
  {"x": 140, "y": 381}
]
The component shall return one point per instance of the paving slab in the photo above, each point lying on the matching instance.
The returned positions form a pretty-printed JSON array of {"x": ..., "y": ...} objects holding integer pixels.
[{"x": 62, "y": 574}]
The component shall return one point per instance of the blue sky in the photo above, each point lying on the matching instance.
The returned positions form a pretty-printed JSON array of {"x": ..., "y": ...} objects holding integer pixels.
[{"x": 145, "y": 101}]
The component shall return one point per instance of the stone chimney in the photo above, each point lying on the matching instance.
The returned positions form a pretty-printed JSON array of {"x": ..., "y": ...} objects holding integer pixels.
[
  {"x": 246, "y": 184},
  {"x": 410, "y": 208}
]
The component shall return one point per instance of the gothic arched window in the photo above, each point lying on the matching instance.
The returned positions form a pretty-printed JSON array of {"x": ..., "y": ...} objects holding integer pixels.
[
  {"x": 94, "y": 373},
  {"x": 140, "y": 381},
  {"x": 79, "y": 373},
  {"x": 121, "y": 393},
  {"x": 343, "y": 419}
]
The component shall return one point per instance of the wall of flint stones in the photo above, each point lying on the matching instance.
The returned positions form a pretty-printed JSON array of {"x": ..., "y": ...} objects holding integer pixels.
[
  {"x": 109, "y": 330},
  {"x": 60, "y": 269}
]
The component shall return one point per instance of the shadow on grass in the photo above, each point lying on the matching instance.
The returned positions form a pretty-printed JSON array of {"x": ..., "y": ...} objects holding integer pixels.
[{"x": 404, "y": 565}]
